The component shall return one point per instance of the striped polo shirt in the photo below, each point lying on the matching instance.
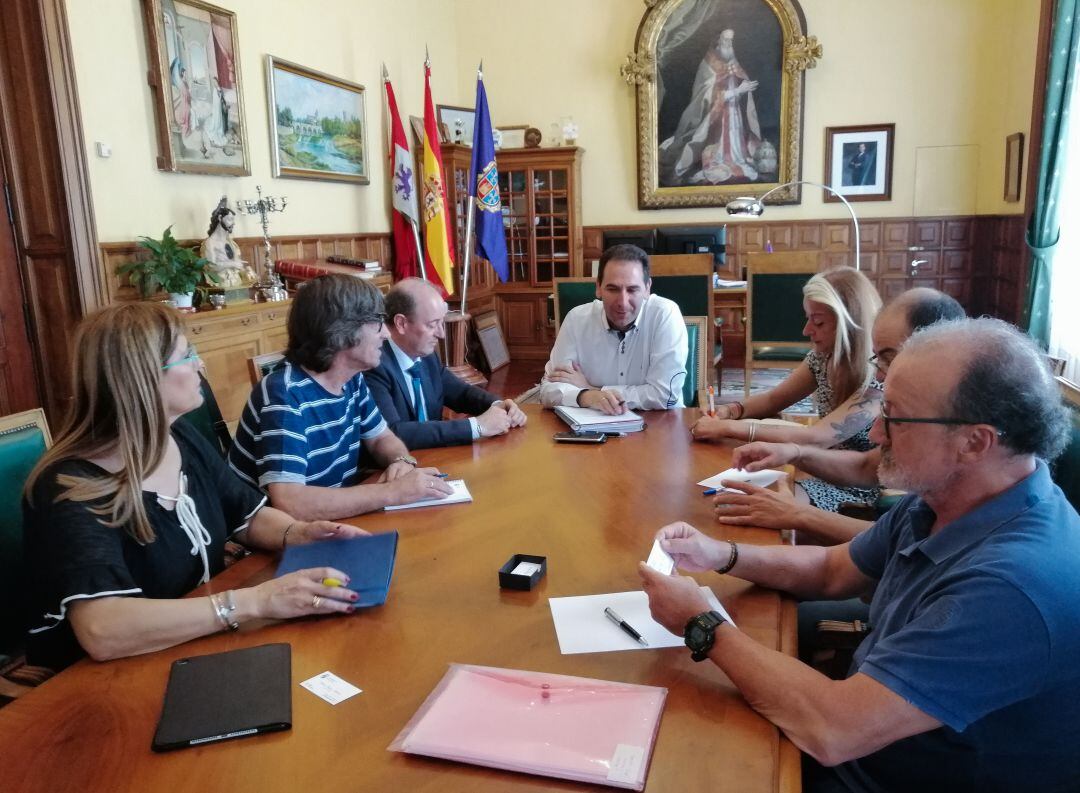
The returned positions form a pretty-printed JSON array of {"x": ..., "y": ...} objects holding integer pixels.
[{"x": 294, "y": 430}]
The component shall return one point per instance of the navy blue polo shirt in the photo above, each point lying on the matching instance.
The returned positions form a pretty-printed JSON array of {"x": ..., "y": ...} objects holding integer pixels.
[{"x": 979, "y": 627}]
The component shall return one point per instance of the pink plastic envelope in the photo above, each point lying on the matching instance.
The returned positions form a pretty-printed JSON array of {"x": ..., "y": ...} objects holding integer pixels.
[{"x": 538, "y": 723}]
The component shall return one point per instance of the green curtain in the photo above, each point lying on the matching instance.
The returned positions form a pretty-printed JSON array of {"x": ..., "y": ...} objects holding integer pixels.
[{"x": 1044, "y": 228}]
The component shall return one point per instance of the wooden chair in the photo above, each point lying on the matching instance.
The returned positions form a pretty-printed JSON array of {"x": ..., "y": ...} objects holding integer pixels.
[
  {"x": 24, "y": 437},
  {"x": 259, "y": 366},
  {"x": 207, "y": 419},
  {"x": 774, "y": 313}
]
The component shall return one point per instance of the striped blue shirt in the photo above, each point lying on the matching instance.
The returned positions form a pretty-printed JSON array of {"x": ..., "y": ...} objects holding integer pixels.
[{"x": 294, "y": 430}]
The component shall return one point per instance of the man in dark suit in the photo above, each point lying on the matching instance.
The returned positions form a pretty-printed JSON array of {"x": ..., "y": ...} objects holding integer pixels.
[{"x": 411, "y": 373}]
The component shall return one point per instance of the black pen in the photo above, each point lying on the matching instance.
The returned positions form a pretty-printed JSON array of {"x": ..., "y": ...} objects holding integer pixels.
[{"x": 611, "y": 615}]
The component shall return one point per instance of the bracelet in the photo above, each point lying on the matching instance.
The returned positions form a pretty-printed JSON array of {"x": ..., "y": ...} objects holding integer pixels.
[
  {"x": 579, "y": 393},
  {"x": 285, "y": 536},
  {"x": 741, "y": 407},
  {"x": 732, "y": 560},
  {"x": 798, "y": 453},
  {"x": 753, "y": 431},
  {"x": 224, "y": 607}
]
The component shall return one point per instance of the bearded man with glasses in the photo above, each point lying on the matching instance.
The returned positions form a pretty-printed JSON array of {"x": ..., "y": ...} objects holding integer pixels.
[{"x": 311, "y": 425}]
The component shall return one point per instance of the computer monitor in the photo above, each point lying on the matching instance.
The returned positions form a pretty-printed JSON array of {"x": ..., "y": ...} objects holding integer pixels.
[
  {"x": 643, "y": 238},
  {"x": 693, "y": 239}
]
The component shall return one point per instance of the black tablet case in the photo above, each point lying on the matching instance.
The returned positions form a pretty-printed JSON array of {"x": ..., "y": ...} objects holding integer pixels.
[{"x": 226, "y": 695}]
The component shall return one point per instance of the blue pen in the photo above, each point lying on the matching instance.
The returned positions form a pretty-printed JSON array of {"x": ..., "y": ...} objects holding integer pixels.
[
  {"x": 710, "y": 492},
  {"x": 442, "y": 476}
]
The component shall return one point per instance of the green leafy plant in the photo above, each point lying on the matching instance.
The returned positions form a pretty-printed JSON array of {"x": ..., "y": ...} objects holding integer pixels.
[{"x": 173, "y": 268}]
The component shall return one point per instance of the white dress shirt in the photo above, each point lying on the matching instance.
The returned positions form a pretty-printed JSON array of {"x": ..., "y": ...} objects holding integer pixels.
[
  {"x": 405, "y": 363},
  {"x": 646, "y": 367}
]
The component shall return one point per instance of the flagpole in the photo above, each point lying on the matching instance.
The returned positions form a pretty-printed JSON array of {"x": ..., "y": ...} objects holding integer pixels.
[
  {"x": 470, "y": 210},
  {"x": 419, "y": 249}
]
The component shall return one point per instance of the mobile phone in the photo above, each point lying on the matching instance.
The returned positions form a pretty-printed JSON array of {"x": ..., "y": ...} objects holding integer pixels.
[{"x": 579, "y": 437}]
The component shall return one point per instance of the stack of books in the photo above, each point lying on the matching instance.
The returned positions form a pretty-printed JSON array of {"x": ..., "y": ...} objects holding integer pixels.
[{"x": 590, "y": 420}]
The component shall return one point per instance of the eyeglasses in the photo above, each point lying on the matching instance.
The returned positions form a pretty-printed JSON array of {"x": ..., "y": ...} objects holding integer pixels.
[
  {"x": 380, "y": 318},
  {"x": 192, "y": 355},
  {"x": 886, "y": 419},
  {"x": 880, "y": 361}
]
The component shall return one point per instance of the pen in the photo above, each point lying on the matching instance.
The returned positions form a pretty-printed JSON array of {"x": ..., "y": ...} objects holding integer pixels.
[
  {"x": 710, "y": 492},
  {"x": 712, "y": 402},
  {"x": 625, "y": 626},
  {"x": 442, "y": 476}
]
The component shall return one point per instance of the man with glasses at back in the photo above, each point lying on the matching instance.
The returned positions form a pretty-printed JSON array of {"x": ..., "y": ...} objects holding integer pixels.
[
  {"x": 308, "y": 423},
  {"x": 969, "y": 680}
]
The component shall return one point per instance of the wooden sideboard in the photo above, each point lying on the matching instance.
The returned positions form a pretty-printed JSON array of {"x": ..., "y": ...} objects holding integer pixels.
[{"x": 226, "y": 338}]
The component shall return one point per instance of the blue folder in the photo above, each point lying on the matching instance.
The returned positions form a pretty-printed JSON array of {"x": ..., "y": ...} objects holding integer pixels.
[{"x": 368, "y": 561}]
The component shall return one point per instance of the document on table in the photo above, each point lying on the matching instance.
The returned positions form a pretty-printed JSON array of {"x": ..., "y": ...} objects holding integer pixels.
[
  {"x": 460, "y": 495},
  {"x": 759, "y": 478},
  {"x": 582, "y": 626}
]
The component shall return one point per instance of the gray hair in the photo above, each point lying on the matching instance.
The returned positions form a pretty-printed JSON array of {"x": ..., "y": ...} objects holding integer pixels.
[
  {"x": 326, "y": 317},
  {"x": 1006, "y": 382}
]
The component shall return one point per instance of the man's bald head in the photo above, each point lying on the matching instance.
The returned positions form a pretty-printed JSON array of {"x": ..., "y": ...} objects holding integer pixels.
[
  {"x": 415, "y": 311},
  {"x": 404, "y": 296},
  {"x": 905, "y": 314}
]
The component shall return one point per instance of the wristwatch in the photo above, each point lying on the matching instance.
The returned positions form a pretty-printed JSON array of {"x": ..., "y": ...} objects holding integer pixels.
[
  {"x": 700, "y": 633},
  {"x": 405, "y": 458}
]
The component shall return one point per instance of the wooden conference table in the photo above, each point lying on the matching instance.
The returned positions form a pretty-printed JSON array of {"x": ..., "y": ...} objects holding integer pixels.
[{"x": 591, "y": 510}]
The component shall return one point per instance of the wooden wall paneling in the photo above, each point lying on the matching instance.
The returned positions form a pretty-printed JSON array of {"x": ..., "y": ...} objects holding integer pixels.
[
  {"x": 956, "y": 263},
  {"x": 869, "y": 262},
  {"x": 926, "y": 234},
  {"x": 751, "y": 237},
  {"x": 870, "y": 234},
  {"x": 931, "y": 266},
  {"x": 836, "y": 259},
  {"x": 895, "y": 263},
  {"x": 839, "y": 236},
  {"x": 959, "y": 233},
  {"x": 808, "y": 236},
  {"x": 782, "y": 236},
  {"x": 960, "y": 288},
  {"x": 895, "y": 235}
]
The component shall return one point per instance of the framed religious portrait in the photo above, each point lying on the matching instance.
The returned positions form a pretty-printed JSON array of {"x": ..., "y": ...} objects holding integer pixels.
[
  {"x": 318, "y": 129},
  {"x": 1014, "y": 165},
  {"x": 194, "y": 74},
  {"x": 858, "y": 162},
  {"x": 719, "y": 100}
]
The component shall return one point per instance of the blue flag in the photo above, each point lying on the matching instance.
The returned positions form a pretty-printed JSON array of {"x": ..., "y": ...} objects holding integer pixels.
[{"x": 490, "y": 236}]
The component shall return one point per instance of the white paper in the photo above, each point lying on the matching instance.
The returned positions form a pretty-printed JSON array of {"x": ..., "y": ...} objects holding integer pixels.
[
  {"x": 525, "y": 568},
  {"x": 660, "y": 560},
  {"x": 582, "y": 626},
  {"x": 460, "y": 495},
  {"x": 590, "y": 416},
  {"x": 759, "y": 478},
  {"x": 626, "y": 763},
  {"x": 330, "y": 687}
]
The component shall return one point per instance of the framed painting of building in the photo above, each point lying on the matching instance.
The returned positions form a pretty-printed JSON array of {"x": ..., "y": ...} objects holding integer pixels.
[
  {"x": 194, "y": 74},
  {"x": 719, "y": 100},
  {"x": 318, "y": 129}
]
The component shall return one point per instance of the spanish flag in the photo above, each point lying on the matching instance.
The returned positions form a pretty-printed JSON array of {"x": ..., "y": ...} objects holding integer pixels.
[{"x": 438, "y": 242}]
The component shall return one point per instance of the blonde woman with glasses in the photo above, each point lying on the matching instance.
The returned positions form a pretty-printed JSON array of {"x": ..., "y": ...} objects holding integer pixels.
[
  {"x": 840, "y": 305},
  {"x": 131, "y": 508}
]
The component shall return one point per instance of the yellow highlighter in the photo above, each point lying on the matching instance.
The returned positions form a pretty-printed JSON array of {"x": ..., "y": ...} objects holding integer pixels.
[{"x": 331, "y": 582}]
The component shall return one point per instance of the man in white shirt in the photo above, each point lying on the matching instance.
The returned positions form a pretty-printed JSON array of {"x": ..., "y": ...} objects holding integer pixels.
[{"x": 626, "y": 349}]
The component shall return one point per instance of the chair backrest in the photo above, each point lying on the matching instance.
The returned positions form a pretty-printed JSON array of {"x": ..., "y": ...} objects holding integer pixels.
[
  {"x": 696, "y": 359},
  {"x": 1066, "y": 469},
  {"x": 24, "y": 437},
  {"x": 259, "y": 366},
  {"x": 571, "y": 293},
  {"x": 208, "y": 421},
  {"x": 687, "y": 279}
]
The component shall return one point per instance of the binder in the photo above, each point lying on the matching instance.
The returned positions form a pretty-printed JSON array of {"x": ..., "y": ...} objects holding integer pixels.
[
  {"x": 538, "y": 723},
  {"x": 592, "y": 420},
  {"x": 227, "y": 695},
  {"x": 368, "y": 561}
]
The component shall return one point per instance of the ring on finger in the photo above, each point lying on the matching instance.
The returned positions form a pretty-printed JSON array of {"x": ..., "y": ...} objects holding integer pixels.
[{"x": 316, "y": 602}]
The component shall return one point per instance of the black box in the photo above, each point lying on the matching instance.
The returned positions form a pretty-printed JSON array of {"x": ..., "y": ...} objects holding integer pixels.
[{"x": 508, "y": 580}]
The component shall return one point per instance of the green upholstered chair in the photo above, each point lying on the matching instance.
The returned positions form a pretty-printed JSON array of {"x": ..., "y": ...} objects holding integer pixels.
[
  {"x": 696, "y": 360},
  {"x": 571, "y": 293},
  {"x": 259, "y": 366},
  {"x": 1066, "y": 468},
  {"x": 24, "y": 437},
  {"x": 208, "y": 421},
  {"x": 774, "y": 312}
]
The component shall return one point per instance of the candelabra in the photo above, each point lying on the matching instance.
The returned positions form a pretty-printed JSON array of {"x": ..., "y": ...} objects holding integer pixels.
[{"x": 270, "y": 288}]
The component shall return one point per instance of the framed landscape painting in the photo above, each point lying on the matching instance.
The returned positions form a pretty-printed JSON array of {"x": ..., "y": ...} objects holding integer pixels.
[
  {"x": 195, "y": 77},
  {"x": 318, "y": 128}
]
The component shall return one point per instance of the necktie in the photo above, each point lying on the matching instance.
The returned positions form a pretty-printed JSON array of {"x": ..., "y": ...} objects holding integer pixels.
[{"x": 418, "y": 393}]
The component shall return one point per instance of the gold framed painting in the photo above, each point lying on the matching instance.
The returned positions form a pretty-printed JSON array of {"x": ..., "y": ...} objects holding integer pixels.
[
  {"x": 194, "y": 74},
  {"x": 719, "y": 100}
]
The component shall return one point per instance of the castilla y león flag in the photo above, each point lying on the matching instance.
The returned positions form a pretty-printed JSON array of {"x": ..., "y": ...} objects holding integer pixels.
[{"x": 403, "y": 187}]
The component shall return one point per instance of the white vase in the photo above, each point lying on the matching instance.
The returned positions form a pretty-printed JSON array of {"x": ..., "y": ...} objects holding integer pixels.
[{"x": 181, "y": 300}]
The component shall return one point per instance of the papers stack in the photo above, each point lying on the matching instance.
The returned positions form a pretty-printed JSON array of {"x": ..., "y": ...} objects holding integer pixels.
[
  {"x": 590, "y": 420},
  {"x": 460, "y": 495},
  {"x": 537, "y": 723},
  {"x": 759, "y": 478}
]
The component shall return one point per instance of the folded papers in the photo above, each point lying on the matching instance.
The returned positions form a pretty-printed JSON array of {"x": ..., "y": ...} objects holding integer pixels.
[
  {"x": 591, "y": 420},
  {"x": 538, "y": 723}
]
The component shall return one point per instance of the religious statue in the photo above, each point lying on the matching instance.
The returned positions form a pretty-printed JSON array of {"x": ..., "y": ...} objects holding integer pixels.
[{"x": 223, "y": 253}]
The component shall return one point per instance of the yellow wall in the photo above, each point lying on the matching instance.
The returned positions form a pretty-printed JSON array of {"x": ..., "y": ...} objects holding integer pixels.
[{"x": 955, "y": 76}]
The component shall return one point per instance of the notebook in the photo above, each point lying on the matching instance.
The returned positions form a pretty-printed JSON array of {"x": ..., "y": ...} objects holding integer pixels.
[
  {"x": 591, "y": 420},
  {"x": 538, "y": 723},
  {"x": 226, "y": 695},
  {"x": 461, "y": 495},
  {"x": 367, "y": 561}
]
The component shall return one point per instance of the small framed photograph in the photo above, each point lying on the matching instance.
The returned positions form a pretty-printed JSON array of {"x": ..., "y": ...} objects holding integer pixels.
[
  {"x": 417, "y": 125},
  {"x": 1014, "y": 165},
  {"x": 858, "y": 162},
  {"x": 489, "y": 332},
  {"x": 459, "y": 121},
  {"x": 513, "y": 137}
]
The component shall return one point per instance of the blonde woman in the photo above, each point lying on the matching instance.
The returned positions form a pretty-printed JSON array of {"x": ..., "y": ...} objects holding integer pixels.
[
  {"x": 130, "y": 509},
  {"x": 840, "y": 305}
]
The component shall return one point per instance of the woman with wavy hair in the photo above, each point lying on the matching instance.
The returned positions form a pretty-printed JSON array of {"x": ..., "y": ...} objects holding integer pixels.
[
  {"x": 841, "y": 305},
  {"x": 131, "y": 508}
]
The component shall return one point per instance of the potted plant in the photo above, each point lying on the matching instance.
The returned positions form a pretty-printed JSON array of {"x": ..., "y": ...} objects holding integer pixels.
[{"x": 177, "y": 270}]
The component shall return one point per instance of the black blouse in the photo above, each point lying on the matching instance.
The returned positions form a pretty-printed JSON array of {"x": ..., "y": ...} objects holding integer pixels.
[{"x": 70, "y": 555}]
